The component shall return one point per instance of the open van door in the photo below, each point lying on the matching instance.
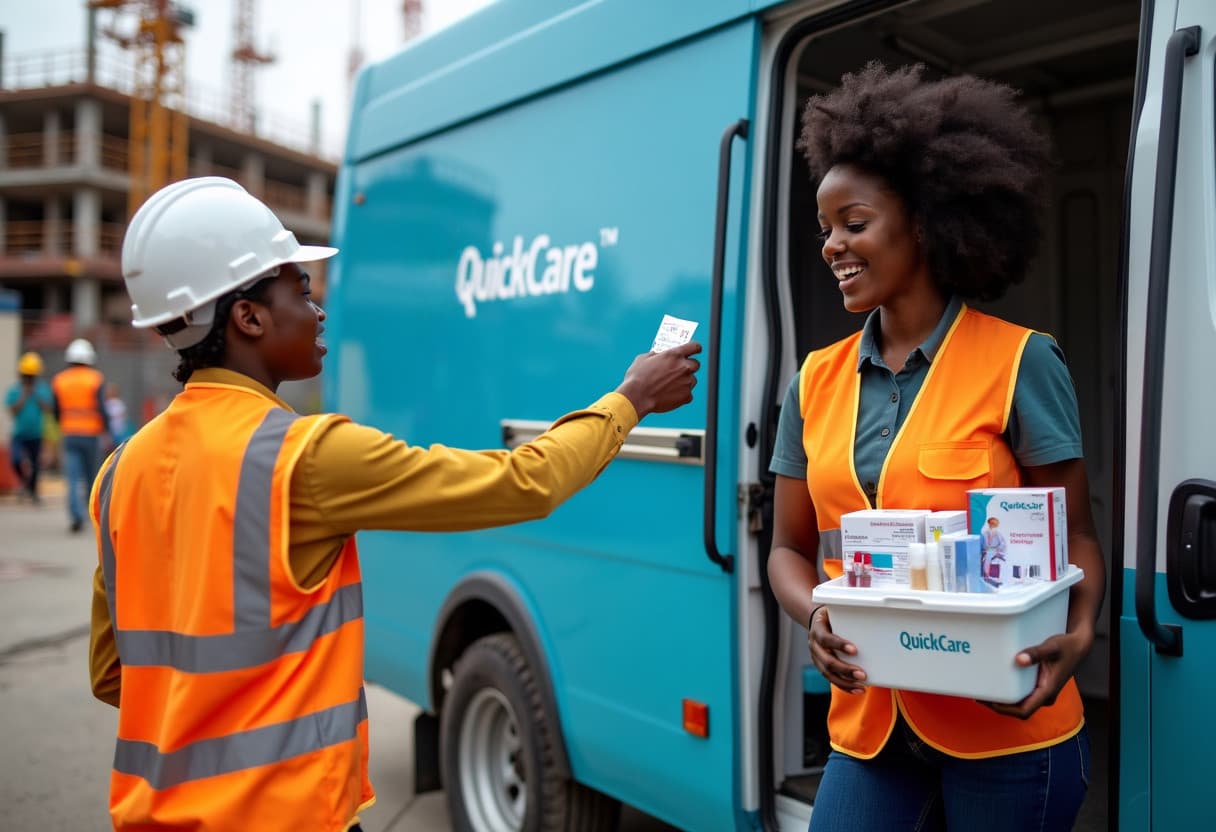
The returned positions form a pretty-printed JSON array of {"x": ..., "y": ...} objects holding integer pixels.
[{"x": 1168, "y": 619}]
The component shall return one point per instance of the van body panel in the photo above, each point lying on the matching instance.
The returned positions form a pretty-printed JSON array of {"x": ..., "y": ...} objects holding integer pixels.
[
  {"x": 552, "y": 42},
  {"x": 524, "y": 195},
  {"x": 634, "y": 621}
]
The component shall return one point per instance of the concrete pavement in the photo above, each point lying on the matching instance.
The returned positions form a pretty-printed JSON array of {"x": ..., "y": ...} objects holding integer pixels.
[{"x": 58, "y": 741}]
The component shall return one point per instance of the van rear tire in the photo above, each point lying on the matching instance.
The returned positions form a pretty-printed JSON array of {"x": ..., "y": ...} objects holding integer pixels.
[{"x": 496, "y": 742}]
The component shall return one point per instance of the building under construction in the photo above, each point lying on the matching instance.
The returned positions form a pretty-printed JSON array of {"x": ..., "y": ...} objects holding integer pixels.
[{"x": 82, "y": 135}]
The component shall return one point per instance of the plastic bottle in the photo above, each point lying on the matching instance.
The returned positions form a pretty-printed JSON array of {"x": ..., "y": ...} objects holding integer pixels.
[
  {"x": 916, "y": 566},
  {"x": 933, "y": 563}
]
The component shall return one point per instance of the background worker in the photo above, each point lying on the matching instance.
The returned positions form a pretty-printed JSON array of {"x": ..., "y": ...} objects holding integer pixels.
[
  {"x": 927, "y": 196},
  {"x": 80, "y": 410},
  {"x": 29, "y": 400},
  {"x": 116, "y": 414},
  {"x": 227, "y": 607}
]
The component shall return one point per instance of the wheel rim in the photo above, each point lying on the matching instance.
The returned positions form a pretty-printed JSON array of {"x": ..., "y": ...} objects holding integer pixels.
[{"x": 492, "y": 778}]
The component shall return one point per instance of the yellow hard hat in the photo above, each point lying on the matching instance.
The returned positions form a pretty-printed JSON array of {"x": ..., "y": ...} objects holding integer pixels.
[{"x": 30, "y": 364}]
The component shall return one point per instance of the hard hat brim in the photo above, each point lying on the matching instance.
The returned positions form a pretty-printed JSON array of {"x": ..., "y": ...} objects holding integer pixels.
[{"x": 309, "y": 254}]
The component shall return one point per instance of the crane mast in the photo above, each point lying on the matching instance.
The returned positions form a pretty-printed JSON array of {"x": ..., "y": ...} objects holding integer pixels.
[
  {"x": 157, "y": 146},
  {"x": 245, "y": 58}
]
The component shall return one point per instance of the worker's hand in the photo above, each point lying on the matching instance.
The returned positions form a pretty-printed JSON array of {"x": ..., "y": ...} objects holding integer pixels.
[
  {"x": 657, "y": 382},
  {"x": 826, "y": 649},
  {"x": 1057, "y": 658}
]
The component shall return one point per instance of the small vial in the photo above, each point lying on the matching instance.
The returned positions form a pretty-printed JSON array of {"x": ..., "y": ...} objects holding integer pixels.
[
  {"x": 933, "y": 565},
  {"x": 916, "y": 566},
  {"x": 867, "y": 569},
  {"x": 853, "y": 574}
]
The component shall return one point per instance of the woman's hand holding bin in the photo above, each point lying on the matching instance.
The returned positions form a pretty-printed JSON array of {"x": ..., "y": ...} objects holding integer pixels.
[{"x": 826, "y": 648}]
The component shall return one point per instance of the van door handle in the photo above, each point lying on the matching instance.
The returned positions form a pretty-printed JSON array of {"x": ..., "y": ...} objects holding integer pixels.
[
  {"x": 709, "y": 526},
  {"x": 1167, "y": 638},
  {"x": 1190, "y": 554}
]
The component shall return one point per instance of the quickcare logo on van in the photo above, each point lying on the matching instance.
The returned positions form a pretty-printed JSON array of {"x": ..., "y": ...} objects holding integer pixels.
[
  {"x": 933, "y": 642},
  {"x": 539, "y": 268}
]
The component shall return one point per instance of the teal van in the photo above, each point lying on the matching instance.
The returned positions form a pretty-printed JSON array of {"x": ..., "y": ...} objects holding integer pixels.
[{"x": 523, "y": 197}]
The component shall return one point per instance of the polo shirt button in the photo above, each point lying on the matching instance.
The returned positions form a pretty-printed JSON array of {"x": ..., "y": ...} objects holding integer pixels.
[
  {"x": 894, "y": 397},
  {"x": 886, "y": 431},
  {"x": 870, "y": 487}
]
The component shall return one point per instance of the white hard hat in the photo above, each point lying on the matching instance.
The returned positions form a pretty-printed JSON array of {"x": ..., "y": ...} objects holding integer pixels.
[
  {"x": 80, "y": 351},
  {"x": 196, "y": 240}
]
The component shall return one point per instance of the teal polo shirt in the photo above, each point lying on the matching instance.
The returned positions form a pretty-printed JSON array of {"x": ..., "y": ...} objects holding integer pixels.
[
  {"x": 1044, "y": 424},
  {"x": 27, "y": 423}
]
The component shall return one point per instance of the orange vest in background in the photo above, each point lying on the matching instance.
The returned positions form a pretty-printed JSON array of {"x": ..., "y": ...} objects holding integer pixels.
[
  {"x": 951, "y": 441},
  {"x": 78, "y": 391},
  {"x": 242, "y": 692}
]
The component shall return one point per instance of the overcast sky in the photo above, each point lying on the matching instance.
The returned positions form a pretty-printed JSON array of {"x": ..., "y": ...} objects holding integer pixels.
[{"x": 311, "y": 38}]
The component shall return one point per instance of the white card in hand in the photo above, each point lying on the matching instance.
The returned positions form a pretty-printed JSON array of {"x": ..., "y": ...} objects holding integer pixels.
[{"x": 672, "y": 333}]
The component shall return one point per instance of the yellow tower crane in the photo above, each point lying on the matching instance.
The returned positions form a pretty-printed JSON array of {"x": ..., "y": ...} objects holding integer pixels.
[
  {"x": 157, "y": 147},
  {"x": 245, "y": 56}
]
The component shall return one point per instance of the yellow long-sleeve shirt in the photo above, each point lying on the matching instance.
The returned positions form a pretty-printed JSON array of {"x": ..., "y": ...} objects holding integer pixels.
[{"x": 352, "y": 477}]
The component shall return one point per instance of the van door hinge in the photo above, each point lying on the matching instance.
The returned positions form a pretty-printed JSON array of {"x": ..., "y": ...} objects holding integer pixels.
[{"x": 752, "y": 496}]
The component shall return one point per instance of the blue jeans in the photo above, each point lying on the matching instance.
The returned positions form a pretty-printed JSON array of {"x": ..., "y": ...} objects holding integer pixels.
[
  {"x": 81, "y": 461},
  {"x": 26, "y": 455},
  {"x": 911, "y": 786}
]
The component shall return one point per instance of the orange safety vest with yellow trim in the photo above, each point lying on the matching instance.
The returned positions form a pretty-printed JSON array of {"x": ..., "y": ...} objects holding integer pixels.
[
  {"x": 951, "y": 441},
  {"x": 78, "y": 392},
  {"x": 242, "y": 702}
]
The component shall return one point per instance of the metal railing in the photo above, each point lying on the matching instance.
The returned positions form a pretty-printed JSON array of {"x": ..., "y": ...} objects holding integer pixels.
[
  {"x": 35, "y": 150},
  {"x": 281, "y": 195},
  {"x": 36, "y": 237},
  {"x": 114, "y": 153},
  {"x": 109, "y": 238},
  {"x": 41, "y": 238},
  {"x": 113, "y": 68},
  {"x": 38, "y": 150}
]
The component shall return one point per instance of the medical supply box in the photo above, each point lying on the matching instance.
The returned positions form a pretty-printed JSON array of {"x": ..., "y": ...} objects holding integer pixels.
[
  {"x": 1025, "y": 533},
  {"x": 957, "y": 644}
]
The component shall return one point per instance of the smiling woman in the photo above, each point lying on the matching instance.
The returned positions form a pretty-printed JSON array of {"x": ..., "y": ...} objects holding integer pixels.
[{"x": 928, "y": 196}]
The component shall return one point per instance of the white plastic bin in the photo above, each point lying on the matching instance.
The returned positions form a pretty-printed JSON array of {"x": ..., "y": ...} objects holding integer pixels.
[{"x": 954, "y": 643}]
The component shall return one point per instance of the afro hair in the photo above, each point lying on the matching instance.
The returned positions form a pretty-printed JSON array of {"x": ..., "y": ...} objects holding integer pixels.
[{"x": 962, "y": 153}]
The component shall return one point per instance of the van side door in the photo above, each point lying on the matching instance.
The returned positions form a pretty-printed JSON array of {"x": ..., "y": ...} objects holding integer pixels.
[{"x": 1168, "y": 623}]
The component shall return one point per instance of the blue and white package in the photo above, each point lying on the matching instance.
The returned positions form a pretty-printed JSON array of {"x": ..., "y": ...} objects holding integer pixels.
[
  {"x": 1023, "y": 531},
  {"x": 964, "y": 552}
]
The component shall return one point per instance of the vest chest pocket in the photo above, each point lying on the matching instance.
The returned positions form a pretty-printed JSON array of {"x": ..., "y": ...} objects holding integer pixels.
[{"x": 956, "y": 466}]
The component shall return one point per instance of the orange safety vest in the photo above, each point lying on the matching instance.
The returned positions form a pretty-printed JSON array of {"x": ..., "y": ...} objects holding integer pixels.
[
  {"x": 78, "y": 390},
  {"x": 950, "y": 441},
  {"x": 242, "y": 702}
]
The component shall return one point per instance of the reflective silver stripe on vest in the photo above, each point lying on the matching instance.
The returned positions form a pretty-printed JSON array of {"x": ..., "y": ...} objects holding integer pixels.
[
  {"x": 233, "y": 651},
  {"x": 251, "y": 524},
  {"x": 242, "y": 750}
]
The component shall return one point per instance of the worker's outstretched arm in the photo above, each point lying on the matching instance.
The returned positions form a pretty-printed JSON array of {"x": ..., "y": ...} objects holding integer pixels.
[{"x": 354, "y": 477}]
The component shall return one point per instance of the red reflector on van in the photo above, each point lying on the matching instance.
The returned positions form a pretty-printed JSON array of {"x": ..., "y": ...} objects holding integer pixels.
[{"x": 696, "y": 718}]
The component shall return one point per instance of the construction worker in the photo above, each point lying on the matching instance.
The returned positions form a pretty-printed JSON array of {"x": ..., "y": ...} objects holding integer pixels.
[
  {"x": 80, "y": 410},
  {"x": 29, "y": 400},
  {"x": 227, "y": 606}
]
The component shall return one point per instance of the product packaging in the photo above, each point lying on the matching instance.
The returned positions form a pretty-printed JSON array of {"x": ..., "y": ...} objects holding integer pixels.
[
  {"x": 1023, "y": 531},
  {"x": 885, "y": 535},
  {"x": 944, "y": 522}
]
